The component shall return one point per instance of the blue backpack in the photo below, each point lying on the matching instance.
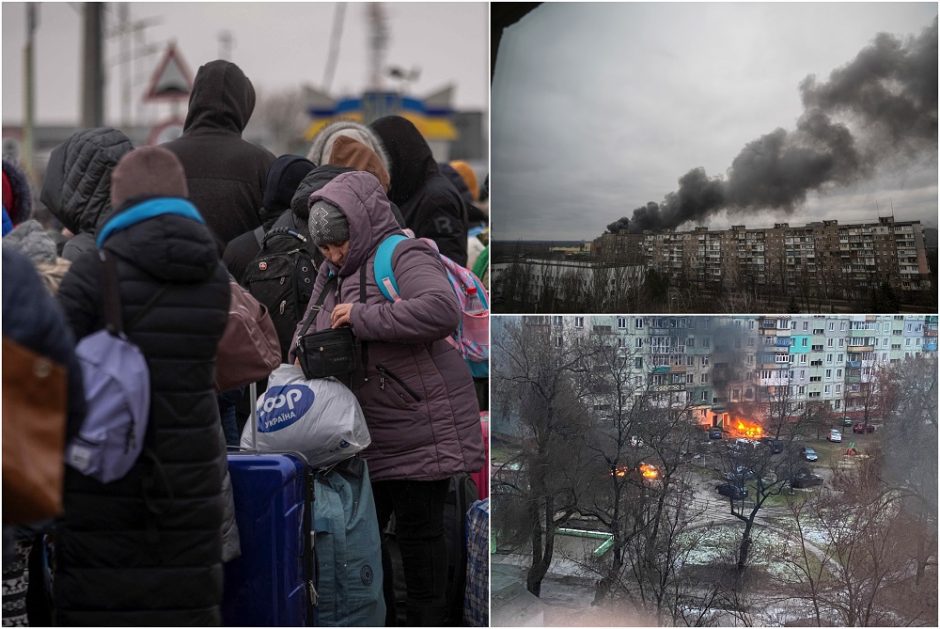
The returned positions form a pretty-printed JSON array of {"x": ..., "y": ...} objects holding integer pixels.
[{"x": 471, "y": 338}]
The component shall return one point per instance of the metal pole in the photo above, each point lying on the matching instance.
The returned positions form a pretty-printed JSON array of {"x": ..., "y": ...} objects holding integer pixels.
[
  {"x": 28, "y": 91},
  {"x": 92, "y": 66},
  {"x": 124, "y": 13}
]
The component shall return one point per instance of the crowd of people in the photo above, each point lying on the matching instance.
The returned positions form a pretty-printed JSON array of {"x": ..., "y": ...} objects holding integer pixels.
[{"x": 182, "y": 221}]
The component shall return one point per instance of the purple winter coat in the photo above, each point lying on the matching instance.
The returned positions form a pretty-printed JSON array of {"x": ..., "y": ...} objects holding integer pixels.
[{"x": 416, "y": 391}]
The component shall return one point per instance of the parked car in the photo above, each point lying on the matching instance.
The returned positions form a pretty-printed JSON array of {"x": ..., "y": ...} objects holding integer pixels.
[
  {"x": 835, "y": 436},
  {"x": 740, "y": 473},
  {"x": 846, "y": 421},
  {"x": 714, "y": 432},
  {"x": 732, "y": 490},
  {"x": 775, "y": 445},
  {"x": 803, "y": 479},
  {"x": 809, "y": 454},
  {"x": 862, "y": 428}
]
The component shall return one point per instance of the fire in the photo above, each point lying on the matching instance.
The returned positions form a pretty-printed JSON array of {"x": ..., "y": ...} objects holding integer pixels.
[
  {"x": 649, "y": 471},
  {"x": 747, "y": 429}
]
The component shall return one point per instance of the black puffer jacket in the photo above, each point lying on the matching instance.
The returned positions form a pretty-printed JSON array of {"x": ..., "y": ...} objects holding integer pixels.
[
  {"x": 225, "y": 173},
  {"x": 431, "y": 205},
  {"x": 118, "y": 562},
  {"x": 77, "y": 186}
]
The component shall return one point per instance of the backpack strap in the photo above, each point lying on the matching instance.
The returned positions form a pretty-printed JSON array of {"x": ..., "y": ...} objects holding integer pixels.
[
  {"x": 317, "y": 306},
  {"x": 112, "y": 297},
  {"x": 382, "y": 267}
]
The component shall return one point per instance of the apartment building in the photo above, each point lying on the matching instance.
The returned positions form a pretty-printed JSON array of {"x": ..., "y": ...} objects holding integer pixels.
[
  {"x": 821, "y": 259},
  {"x": 719, "y": 365}
]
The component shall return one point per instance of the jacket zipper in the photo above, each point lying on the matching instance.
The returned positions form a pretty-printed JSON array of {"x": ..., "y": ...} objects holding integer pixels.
[{"x": 388, "y": 374}]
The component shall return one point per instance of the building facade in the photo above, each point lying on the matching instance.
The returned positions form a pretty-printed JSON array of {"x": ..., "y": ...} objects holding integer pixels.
[
  {"x": 821, "y": 260},
  {"x": 722, "y": 367}
]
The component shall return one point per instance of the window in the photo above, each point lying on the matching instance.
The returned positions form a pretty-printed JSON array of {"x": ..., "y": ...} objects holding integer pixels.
[
  {"x": 838, "y": 404},
  {"x": 839, "y": 359},
  {"x": 829, "y": 342},
  {"x": 704, "y": 360},
  {"x": 806, "y": 325},
  {"x": 638, "y": 323},
  {"x": 802, "y": 359},
  {"x": 690, "y": 342},
  {"x": 804, "y": 341},
  {"x": 828, "y": 358},
  {"x": 690, "y": 378},
  {"x": 841, "y": 342},
  {"x": 621, "y": 342},
  {"x": 639, "y": 343},
  {"x": 907, "y": 342},
  {"x": 838, "y": 388},
  {"x": 828, "y": 389},
  {"x": 793, "y": 325},
  {"x": 638, "y": 362},
  {"x": 556, "y": 321},
  {"x": 838, "y": 373},
  {"x": 621, "y": 322},
  {"x": 690, "y": 360},
  {"x": 704, "y": 378},
  {"x": 801, "y": 390},
  {"x": 579, "y": 322},
  {"x": 842, "y": 327},
  {"x": 831, "y": 326},
  {"x": 815, "y": 378},
  {"x": 558, "y": 341},
  {"x": 735, "y": 394},
  {"x": 706, "y": 342},
  {"x": 704, "y": 396}
]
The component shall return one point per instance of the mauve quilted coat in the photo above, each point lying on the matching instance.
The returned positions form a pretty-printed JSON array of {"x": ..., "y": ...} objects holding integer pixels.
[{"x": 415, "y": 389}]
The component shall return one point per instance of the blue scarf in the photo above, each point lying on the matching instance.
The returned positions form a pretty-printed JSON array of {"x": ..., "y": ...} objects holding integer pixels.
[{"x": 145, "y": 211}]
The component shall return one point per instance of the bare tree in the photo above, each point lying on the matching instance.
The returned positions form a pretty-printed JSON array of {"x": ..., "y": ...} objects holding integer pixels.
[{"x": 539, "y": 380}]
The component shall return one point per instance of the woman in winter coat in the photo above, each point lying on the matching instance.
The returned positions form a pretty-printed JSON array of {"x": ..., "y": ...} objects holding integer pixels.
[
  {"x": 146, "y": 549},
  {"x": 77, "y": 186},
  {"x": 414, "y": 388}
]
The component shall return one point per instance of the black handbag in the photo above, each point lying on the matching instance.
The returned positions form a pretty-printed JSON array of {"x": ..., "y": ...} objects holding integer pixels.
[{"x": 326, "y": 353}]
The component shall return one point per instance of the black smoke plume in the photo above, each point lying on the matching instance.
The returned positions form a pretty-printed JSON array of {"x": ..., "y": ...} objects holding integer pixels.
[{"x": 889, "y": 92}]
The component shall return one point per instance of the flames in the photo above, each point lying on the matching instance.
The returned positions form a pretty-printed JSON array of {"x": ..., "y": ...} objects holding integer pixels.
[
  {"x": 747, "y": 429},
  {"x": 649, "y": 471}
]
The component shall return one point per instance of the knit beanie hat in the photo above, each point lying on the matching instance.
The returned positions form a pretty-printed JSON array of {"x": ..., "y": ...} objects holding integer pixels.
[
  {"x": 148, "y": 171},
  {"x": 327, "y": 224}
]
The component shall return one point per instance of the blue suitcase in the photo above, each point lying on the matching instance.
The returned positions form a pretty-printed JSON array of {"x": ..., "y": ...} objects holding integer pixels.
[{"x": 272, "y": 583}]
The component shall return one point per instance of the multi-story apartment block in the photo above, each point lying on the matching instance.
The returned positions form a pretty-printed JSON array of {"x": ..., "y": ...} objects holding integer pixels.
[
  {"x": 820, "y": 260},
  {"x": 722, "y": 367}
]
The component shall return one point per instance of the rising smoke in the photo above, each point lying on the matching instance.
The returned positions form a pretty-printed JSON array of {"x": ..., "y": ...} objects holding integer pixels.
[{"x": 888, "y": 93}]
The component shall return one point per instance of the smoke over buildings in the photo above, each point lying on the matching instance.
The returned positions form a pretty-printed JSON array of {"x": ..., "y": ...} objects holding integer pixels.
[{"x": 882, "y": 104}]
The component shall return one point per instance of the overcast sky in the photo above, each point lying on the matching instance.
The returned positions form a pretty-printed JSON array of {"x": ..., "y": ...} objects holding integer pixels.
[
  {"x": 278, "y": 45},
  {"x": 598, "y": 109}
]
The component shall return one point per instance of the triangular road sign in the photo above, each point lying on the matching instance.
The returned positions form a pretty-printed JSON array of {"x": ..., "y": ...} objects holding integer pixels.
[{"x": 171, "y": 80}]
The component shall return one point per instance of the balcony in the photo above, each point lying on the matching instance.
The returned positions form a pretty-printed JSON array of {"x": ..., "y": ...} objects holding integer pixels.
[
  {"x": 853, "y": 364},
  {"x": 782, "y": 341},
  {"x": 930, "y": 347}
]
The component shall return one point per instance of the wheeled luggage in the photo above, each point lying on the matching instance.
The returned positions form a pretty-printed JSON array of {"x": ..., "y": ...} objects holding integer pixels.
[{"x": 273, "y": 582}]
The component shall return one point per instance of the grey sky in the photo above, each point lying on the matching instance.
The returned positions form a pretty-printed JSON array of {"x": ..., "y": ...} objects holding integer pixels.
[
  {"x": 599, "y": 108},
  {"x": 278, "y": 45}
]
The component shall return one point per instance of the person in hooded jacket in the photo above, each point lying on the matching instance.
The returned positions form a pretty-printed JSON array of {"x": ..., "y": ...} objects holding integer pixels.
[
  {"x": 285, "y": 174},
  {"x": 226, "y": 174},
  {"x": 146, "y": 550},
  {"x": 413, "y": 386},
  {"x": 17, "y": 197},
  {"x": 77, "y": 185},
  {"x": 431, "y": 205}
]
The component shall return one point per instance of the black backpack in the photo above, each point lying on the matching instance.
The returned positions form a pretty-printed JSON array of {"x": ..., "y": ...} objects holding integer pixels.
[{"x": 281, "y": 277}]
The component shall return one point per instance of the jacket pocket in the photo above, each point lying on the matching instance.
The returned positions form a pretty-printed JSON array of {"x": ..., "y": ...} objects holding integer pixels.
[{"x": 389, "y": 379}]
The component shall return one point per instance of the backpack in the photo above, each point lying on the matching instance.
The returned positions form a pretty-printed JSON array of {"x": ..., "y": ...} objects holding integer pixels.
[
  {"x": 472, "y": 337},
  {"x": 348, "y": 548},
  {"x": 281, "y": 277},
  {"x": 117, "y": 391}
]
